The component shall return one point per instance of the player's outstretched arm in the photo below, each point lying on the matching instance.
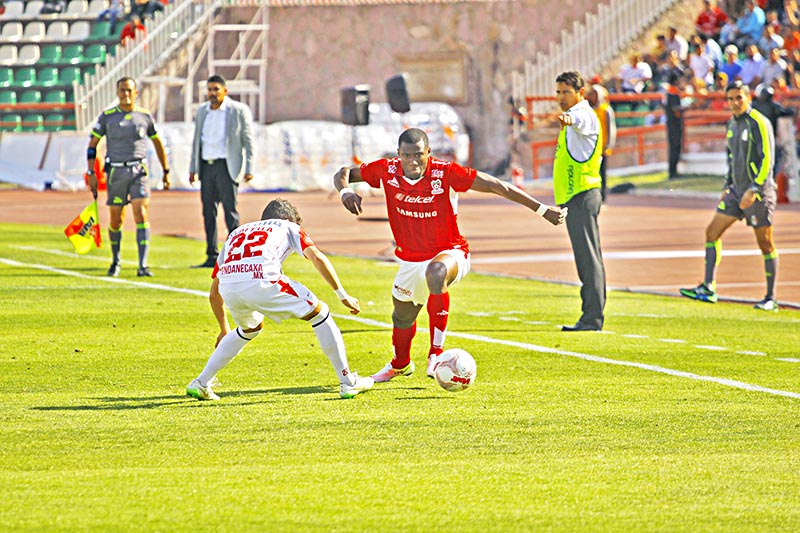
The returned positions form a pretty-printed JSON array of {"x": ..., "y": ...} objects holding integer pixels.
[
  {"x": 218, "y": 308},
  {"x": 487, "y": 183},
  {"x": 328, "y": 273},
  {"x": 341, "y": 181}
]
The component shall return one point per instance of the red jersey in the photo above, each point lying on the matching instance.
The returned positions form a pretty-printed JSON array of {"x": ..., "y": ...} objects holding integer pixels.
[{"x": 422, "y": 214}]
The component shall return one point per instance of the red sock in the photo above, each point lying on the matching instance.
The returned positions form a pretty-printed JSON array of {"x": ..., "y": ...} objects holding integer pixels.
[
  {"x": 401, "y": 341},
  {"x": 438, "y": 309}
]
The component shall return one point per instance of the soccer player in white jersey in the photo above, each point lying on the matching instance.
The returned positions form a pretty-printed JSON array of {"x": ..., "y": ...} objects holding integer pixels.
[
  {"x": 248, "y": 280},
  {"x": 421, "y": 201}
]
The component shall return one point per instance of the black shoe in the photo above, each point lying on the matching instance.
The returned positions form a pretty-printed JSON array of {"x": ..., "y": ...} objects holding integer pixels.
[
  {"x": 580, "y": 327},
  {"x": 113, "y": 270},
  {"x": 144, "y": 271},
  {"x": 210, "y": 262}
]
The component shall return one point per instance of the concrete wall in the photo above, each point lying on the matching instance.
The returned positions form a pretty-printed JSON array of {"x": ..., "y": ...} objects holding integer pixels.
[{"x": 314, "y": 51}]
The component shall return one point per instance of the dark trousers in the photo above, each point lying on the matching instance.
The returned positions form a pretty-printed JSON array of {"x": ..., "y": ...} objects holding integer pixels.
[
  {"x": 216, "y": 186},
  {"x": 603, "y": 179},
  {"x": 675, "y": 141},
  {"x": 585, "y": 238}
]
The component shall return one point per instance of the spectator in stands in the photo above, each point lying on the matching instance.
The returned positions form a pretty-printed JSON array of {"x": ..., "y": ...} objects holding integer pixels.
[
  {"x": 673, "y": 64},
  {"x": 659, "y": 52},
  {"x": 634, "y": 75},
  {"x": 116, "y": 9},
  {"x": 675, "y": 41},
  {"x": 732, "y": 66},
  {"x": 769, "y": 39},
  {"x": 773, "y": 19},
  {"x": 750, "y": 25},
  {"x": 597, "y": 96},
  {"x": 727, "y": 35},
  {"x": 791, "y": 38},
  {"x": 711, "y": 48},
  {"x": 791, "y": 14},
  {"x": 702, "y": 68},
  {"x": 51, "y": 7},
  {"x": 147, "y": 8},
  {"x": 751, "y": 65},
  {"x": 774, "y": 67},
  {"x": 132, "y": 29},
  {"x": 710, "y": 20}
]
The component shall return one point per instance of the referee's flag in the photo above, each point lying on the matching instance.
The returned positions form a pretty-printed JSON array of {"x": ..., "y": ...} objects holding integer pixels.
[{"x": 84, "y": 231}]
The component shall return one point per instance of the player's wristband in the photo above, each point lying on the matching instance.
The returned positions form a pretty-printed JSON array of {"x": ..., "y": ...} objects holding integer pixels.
[
  {"x": 166, "y": 171},
  {"x": 542, "y": 210},
  {"x": 341, "y": 294},
  {"x": 344, "y": 191}
]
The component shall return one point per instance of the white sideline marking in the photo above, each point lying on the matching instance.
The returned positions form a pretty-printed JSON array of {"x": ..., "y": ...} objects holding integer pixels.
[
  {"x": 673, "y": 341},
  {"x": 480, "y": 338},
  {"x": 788, "y": 359},
  {"x": 715, "y": 348},
  {"x": 642, "y": 254},
  {"x": 748, "y": 352}
]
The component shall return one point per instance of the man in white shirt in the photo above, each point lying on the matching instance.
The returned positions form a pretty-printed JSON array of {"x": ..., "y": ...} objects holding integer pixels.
[
  {"x": 633, "y": 75},
  {"x": 222, "y": 157}
]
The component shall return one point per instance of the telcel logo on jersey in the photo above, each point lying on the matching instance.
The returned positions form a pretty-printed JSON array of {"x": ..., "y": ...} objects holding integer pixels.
[{"x": 402, "y": 197}]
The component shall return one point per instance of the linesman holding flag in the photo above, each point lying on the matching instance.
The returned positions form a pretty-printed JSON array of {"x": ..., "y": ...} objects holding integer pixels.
[{"x": 126, "y": 129}]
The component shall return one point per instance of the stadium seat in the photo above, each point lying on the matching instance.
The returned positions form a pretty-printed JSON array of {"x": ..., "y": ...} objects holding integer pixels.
[
  {"x": 8, "y": 54},
  {"x": 29, "y": 97},
  {"x": 12, "y": 31},
  {"x": 54, "y": 122},
  {"x": 33, "y": 9},
  {"x": 96, "y": 6},
  {"x": 94, "y": 54},
  {"x": 79, "y": 31},
  {"x": 76, "y": 8},
  {"x": 32, "y": 122},
  {"x": 28, "y": 54},
  {"x": 67, "y": 75},
  {"x": 57, "y": 31},
  {"x": 11, "y": 122},
  {"x": 6, "y": 76},
  {"x": 71, "y": 54},
  {"x": 25, "y": 76},
  {"x": 47, "y": 77},
  {"x": 34, "y": 31},
  {"x": 14, "y": 10},
  {"x": 49, "y": 54},
  {"x": 101, "y": 30},
  {"x": 55, "y": 96},
  {"x": 8, "y": 97}
]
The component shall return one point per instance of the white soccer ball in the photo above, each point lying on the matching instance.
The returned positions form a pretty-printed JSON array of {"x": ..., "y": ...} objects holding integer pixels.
[{"x": 455, "y": 370}]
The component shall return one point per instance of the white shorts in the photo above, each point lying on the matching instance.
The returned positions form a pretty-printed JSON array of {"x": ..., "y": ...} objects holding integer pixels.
[
  {"x": 410, "y": 284},
  {"x": 250, "y": 301}
]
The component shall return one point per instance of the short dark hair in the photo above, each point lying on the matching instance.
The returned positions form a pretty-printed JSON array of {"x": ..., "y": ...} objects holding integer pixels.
[
  {"x": 216, "y": 78},
  {"x": 738, "y": 85},
  {"x": 281, "y": 209},
  {"x": 413, "y": 136},
  {"x": 127, "y": 78},
  {"x": 571, "y": 78}
]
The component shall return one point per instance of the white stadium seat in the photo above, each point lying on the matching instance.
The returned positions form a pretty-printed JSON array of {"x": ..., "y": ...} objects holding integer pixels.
[
  {"x": 34, "y": 31},
  {"x": 8, "y": 54},
  {"x": 12, "y": 31},
  {"x": 33, "y": 8},
  {"x": 57, "y": 31},
  {"x": 76, "y": 8},
  {"x": 14, "y": 10},
  {"x": 28, "y": 54},
  {"x": 79, "y": 31},
  {"x": 96, "y": 6}
]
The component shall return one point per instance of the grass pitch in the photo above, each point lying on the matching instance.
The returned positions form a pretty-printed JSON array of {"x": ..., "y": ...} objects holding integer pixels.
[{"x": 680, "y": 417}]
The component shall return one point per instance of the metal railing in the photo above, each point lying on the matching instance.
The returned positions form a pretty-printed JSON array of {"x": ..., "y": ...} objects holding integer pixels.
[{"x": 167, "y": 33}]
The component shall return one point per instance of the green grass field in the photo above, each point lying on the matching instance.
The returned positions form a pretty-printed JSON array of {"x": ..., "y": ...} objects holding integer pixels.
[{"x": 681, "y": 416}]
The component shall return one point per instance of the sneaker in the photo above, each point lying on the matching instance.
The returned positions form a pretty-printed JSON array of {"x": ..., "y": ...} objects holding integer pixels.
[
  {"x": 144, "y": 271},
  {"x": 390, "y": 372},
  {"x": 196, "y": 390},
  {"x": 767, "y": 304},
  {"x": 701, "y": 292},
  {"x": 359, "y": 385},
  {"x": 432, "y": 365},
  {"x": 113, "y": 270}
]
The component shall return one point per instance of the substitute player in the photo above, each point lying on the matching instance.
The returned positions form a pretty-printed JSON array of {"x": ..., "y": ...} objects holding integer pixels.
[
  {"x": 126, "y": 129},
  {"x": 249, "y": 280},
  {"x": 749, "y": 193},
  {"x": 422, "y": 204}
]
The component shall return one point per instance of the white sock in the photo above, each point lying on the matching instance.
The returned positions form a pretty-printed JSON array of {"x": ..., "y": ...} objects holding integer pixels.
[
  {"x": 332, "y": 344},
  {"x": 228, "y": 348}
]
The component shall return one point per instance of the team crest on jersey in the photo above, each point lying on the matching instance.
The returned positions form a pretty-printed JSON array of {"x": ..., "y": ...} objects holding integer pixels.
[
  {"x": 436, "y": 186},
  {"x": 744, "y": 135},
  {"x": 393, "y": 182},
  {"x": 392, "y": 168}
]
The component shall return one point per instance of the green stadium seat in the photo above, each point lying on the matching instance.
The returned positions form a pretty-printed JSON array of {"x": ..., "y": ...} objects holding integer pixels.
[
  {"x": 6, "y": 76},
  {"x": 47, "y": 77},
  {"x": 69, "y": 74},
  {"x": 50, "y": 54},
  {"x": 29, "y": 97},
  {"x": 101, "y": 30},
  {"x": 56, "y": 96},
  {"x": 71, "y": 54},
  {"x": 94, "y": 54},
  {"x": 8, "y": 96},
  {"x": 11, "y": 122},
  {"x": 54, "y": 122},
  {"x": 25, "y": 76},
  {"x": 32, "y": 122}
]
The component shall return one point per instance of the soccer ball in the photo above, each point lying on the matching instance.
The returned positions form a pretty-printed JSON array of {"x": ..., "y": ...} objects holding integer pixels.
[{"x": 455, "y": 370}]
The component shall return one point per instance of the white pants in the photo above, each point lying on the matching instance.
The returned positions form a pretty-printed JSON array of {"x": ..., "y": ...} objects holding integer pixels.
[
  {"x": 250, "y": 301},
  {"x": 410, "y": 284}
]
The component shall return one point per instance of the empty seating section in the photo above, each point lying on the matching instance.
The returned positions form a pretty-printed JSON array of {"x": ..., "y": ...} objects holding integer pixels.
[{"x": 42, "y": 55}]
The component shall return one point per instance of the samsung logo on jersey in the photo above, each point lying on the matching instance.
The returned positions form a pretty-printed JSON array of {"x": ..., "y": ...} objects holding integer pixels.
[
  {"x": 417, "y": 214},
  {"x": 401, "y": 197}
]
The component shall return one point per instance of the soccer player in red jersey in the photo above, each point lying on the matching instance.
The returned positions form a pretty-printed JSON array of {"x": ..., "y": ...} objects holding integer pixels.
[{"x": 422, "y": 206}]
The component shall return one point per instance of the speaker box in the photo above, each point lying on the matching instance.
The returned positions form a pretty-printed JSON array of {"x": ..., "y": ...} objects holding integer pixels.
[
  {"x": 355, "y": 105},
  {"x": 397, "y": 94}
]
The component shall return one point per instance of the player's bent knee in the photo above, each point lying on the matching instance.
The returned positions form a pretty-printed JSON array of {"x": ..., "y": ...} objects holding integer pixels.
[{"x": 319, "y": 315}]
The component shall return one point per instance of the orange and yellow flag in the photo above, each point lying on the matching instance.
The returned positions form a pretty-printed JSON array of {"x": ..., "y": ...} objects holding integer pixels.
[{"x": 84, "y": 231}]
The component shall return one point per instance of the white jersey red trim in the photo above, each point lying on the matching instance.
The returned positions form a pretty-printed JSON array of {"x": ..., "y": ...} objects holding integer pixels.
[{"x": 422, "y": 213}]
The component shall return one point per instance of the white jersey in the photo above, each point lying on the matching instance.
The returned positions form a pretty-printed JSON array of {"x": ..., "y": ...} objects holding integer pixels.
[{"x": 257, "y": 250}]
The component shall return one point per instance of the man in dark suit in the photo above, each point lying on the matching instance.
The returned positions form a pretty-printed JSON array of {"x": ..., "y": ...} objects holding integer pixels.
[{"x": 222, "y": 157}]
